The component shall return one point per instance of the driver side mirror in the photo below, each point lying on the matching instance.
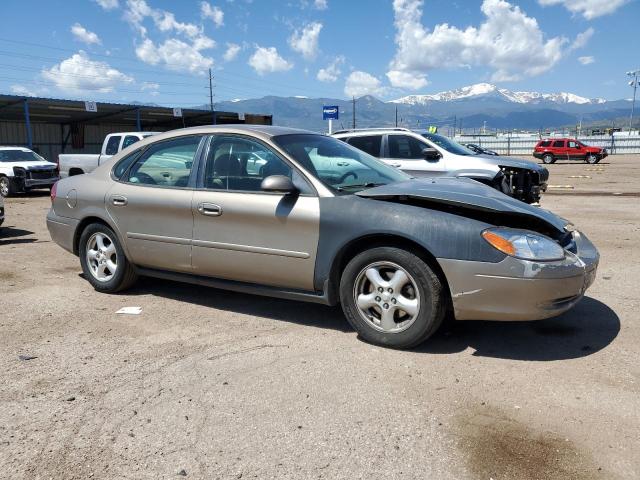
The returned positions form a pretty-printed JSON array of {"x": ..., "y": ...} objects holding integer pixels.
[
  {"x": 430, "y": 154},
  {"x": 278, "y": 184}
]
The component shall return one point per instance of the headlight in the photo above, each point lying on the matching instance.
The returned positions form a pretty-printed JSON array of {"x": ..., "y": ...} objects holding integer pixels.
[{"x": 523, "y": 244}]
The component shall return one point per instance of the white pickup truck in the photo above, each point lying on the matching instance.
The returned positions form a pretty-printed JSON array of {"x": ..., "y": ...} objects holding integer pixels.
[{"x": 76, "y": 164}]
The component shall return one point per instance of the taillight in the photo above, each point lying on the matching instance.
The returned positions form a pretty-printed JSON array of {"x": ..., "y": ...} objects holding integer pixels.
[{"x": 54, "y": 191}]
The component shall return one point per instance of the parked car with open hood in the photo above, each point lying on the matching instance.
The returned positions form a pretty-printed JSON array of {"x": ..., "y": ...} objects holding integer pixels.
[
  {"x": 22, "y": 170},
  {"x": 423, "y": 154},
  {"x": 196, "y": 205}
]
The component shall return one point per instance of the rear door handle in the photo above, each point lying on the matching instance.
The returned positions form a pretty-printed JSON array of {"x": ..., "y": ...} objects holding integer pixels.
[
  {"x": 343, "y": 164},
  {"x": 119, "y": 200},
  {"x": 210, "y": 209},
  {"x": 397, "y": 165}
]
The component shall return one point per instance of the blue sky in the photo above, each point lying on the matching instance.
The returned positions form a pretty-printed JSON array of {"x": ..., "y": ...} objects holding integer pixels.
[{"x": 159, "y": 51}]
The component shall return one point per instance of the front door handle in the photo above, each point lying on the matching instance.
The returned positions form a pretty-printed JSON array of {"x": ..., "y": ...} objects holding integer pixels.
[
  {"x": 210, "y": 209},
  {"x": 119, "y": 200},
  {"x": 343, "y": 164},
  {"x": 397, "y": 165}
]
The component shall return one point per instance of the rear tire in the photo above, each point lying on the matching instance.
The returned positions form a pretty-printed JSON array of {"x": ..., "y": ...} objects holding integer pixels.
[
  {"x": 103, "y": 261},
  {"x": 391, "y": 297},
  {"x": 548, "y": 159}
]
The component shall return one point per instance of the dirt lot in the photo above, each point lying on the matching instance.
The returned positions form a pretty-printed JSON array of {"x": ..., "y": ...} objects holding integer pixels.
[{"x": 211, "y": 384}]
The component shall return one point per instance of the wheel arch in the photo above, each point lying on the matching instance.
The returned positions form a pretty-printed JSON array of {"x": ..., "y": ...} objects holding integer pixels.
[
  {"x": 366, "y": 242},
  {"x": 84, "y": 223}
]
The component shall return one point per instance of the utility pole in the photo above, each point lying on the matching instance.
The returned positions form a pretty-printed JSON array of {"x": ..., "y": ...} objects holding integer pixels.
[
  {"x": 353, "y": 100},
  {"x": 213, "y": 113},
  {"x": 634, "y": 83},
  {"x": 396, "y": 116}
]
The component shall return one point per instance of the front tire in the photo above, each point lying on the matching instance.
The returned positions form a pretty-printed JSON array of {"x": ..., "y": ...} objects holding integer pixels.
[
  {"x": 591, "y": 159},
  {"x": 5, "y": 187},
  {"x": 548, "y": 159},
  {"x": 103, "y": 261},
  {"x": 391, "y": 297}
]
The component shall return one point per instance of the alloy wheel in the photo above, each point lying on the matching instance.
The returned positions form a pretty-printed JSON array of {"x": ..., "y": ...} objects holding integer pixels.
[
  {"x": 387, "y": 297},
  {"x": 102, "y": 257},
  {"x": 4, "y": 187}
]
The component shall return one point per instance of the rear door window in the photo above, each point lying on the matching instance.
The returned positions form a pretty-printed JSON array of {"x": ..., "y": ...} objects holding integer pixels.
[
  {"x": 167, "y": 163},
  {"x": 405, "y": 147},
  {"x": 558, "y": 144},
  {"x": 369, "y": 144},
  {"x": 112, "y": 145},
  {"x": 545, "y": 143}
]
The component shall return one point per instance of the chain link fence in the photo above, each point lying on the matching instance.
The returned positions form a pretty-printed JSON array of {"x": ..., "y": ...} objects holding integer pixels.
[{"x": 506, "y": 145}]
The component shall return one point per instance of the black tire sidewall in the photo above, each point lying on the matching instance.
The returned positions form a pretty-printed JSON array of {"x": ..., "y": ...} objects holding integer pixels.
[
  {"x": 429, "y": 287},
  {"x": 118, "y": 279}
]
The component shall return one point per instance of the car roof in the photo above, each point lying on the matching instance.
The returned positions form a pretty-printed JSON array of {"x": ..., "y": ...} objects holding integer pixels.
[
  {"x": 134, "y": 133},
  {"x": 22, "y": 149},
  {"x": 371, "y": 131},
  {"x": 264, "y": 131}
]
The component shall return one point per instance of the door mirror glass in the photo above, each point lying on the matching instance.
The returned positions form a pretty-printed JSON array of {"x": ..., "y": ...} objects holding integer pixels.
[
  {"x": 431, "y": 154},
  {"x": 278, "y": 183}
]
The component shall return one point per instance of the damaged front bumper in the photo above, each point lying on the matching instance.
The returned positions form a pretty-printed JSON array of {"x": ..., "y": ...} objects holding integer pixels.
[{"x": 515, "y": 289}]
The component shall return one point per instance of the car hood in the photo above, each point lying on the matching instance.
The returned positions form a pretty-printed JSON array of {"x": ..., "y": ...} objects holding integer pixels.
[
  {"x": 33, "y": 165},
  {"x": 465, "y": 193},
  {"x": 514, "y": 162}
]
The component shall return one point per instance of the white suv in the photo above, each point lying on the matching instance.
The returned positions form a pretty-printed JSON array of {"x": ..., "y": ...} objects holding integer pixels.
[{"x": 428, "y": 155}]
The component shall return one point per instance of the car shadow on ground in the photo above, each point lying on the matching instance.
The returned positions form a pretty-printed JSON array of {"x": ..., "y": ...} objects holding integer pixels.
[
  {"x": 30, "y": 194},
  {"x": 11, "y": 235},
  {"x": 586, "y": 329},
  {"x": 302, "y": 313},
  {"x": 589, "y": 327}
]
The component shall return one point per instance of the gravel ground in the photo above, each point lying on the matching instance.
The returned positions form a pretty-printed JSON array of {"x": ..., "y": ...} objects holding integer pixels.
[{"x": 211, "y": 384}]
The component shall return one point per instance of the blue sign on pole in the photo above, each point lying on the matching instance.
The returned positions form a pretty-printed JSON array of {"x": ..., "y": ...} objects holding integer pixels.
[{"x": 330, "y": 112}]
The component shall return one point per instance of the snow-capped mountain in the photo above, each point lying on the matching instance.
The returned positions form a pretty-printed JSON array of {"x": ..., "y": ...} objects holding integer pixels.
[{"x": 489, "y": 90}]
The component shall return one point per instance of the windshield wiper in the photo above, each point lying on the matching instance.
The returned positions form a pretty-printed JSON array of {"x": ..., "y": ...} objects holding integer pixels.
[{"x": 359, "y": 185}]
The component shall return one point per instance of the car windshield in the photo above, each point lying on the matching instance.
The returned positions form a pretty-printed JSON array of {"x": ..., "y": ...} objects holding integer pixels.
[
  {"x": 338, "y": 165},
  {"x": 448, "y": 144},
  {"x": 19, "y": 156}
]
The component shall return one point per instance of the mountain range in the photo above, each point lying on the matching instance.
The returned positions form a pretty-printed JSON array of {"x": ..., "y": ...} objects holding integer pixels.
[{"x": 467, "y": 107}]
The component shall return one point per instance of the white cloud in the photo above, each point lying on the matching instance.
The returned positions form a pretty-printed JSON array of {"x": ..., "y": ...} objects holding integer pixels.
[
  {"x": 582, "y": 38},
  {"x": 83, "y": 35},
  {"x": 108, "y": 4},
  {"x": 174, "y": 54},
  {"x": 305, "y": 40},
  {"x": 151, "y": 87},
  {"x": 412, "y": 80},
  {"x": 508, "y": 41},
  {"x": 360, "y": 83},
  {"x": 331, "y": 72},
  {"x": 268, "y": 60},
  {"x": 320, "y": 4},
  {"x": 586, "y": 60},
  {"x": 80, "y": 73},
  {"x": 214, "y": 13},
  {"x": 589, "y": 9},
  {"x": 232, "y": 52},
  {"x": 23, "y": 91},
  {"x": 139, "y": 10}
]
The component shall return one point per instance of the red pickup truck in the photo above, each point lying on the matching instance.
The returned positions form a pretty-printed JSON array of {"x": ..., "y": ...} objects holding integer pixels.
[{"x": 550, "y": 150}]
